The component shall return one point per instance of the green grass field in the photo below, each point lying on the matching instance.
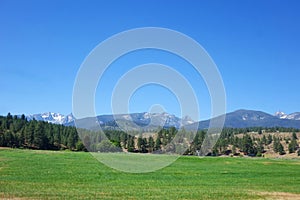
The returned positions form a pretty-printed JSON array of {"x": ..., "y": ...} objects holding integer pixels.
[{"x": 28, "y": 174}]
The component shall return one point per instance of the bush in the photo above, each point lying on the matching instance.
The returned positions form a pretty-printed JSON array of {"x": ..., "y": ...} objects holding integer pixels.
[
  {"x": 107, "y": 146},
  {"x": 259, "y": 154},
  {"x": 80, "y": 146}
]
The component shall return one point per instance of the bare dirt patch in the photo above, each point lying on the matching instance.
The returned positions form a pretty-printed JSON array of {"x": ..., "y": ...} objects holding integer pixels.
[
  {"x": 4, "y": 197},
  {"x": 5, "y": 148},
  {"x": 13, "y": 198},
  {"x": 279, "y": 195}
]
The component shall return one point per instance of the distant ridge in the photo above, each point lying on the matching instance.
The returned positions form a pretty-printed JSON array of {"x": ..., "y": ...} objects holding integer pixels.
[
  {"x": 250, "y": 118},
  {"x": 238, "y": 119}
]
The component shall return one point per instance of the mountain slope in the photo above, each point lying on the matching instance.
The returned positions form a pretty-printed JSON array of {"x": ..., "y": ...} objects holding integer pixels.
[
  {"x": 134, "y": 121},
  {"x": 250, "y": 118},
  {"x": 292, "y": 116}
]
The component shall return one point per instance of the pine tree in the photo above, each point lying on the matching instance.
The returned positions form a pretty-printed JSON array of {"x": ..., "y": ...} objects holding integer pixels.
[
  {"x": 293, "y": 146},
  {"x": 151, "y": 144},
  {"x": 260, "y": 149},
  {"x": 264, "y": 140},
  {"x": 145, "y": 146},
  {"x": 123, "y": 139},
  {"x": 38, "y": 137},
  {"x": 140, "y": 143},
  {"x": 71, "y": 141},
  {"x": 247, "y": 146},
  {"x": 157, "y": 144},
  {"x": 87, "y": 142},
  {"x": 29, "y": 131},
  {"x": 294, "y": 136},
  {"x": 276, "y": 145},
  {"x": 280, "y": 149},
  {"x": 130, "y": 144},
  {"x": 269, "y": 139},
  {"x": 233, "y": 149}
]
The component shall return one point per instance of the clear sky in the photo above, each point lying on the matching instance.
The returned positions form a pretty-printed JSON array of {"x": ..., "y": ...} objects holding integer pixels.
[{"x": 255, "y": 44}]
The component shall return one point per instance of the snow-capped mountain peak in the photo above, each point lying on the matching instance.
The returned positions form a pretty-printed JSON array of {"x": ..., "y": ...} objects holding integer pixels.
[
  {"x": 281, "y": 115},
  {"x": 51, "y": 117},
  {"x": 149, "y": 119},
  {"x": 292, "y": 116}
]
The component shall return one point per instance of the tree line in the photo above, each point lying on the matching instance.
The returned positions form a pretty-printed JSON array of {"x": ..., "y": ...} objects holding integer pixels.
[
  {"x": 18, "y": 132},
  {"x": 235, "y": 141}
]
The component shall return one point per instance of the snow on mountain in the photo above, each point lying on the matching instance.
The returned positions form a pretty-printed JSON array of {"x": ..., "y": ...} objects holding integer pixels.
[
  {"x": 292, "y": 116},
  {"x": 251, "y": 118},
  {"x": 281, "y": 115},
  {"x": 236, "y": 119},
  {"x": 135, "y": 120},
  {"x": 141, "y": 119},
  {"x": 156, "y": 119},
  {"x": 249, "y": 115},
  {"x": 51, "y": 117}
]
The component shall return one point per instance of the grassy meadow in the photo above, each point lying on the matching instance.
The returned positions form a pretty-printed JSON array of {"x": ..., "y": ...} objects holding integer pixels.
[{"x": 32, "y": 174}]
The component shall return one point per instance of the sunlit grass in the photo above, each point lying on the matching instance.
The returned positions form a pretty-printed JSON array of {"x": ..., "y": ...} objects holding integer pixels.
[{"x": 77, "y": 175}]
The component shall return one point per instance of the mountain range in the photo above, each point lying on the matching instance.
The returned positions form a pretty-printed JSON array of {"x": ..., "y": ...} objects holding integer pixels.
[
  {"x": 237, "y": 119},
  {"x": 251, "y": 118},
  {"x": 51, "y": 117}
]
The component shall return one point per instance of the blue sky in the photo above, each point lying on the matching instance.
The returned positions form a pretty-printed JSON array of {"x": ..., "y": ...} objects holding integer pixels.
[{"x": 255, "y": 45}]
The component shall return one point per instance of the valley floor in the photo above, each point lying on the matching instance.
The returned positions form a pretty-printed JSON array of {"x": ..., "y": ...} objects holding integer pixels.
[{"x": 32, "y": 174}]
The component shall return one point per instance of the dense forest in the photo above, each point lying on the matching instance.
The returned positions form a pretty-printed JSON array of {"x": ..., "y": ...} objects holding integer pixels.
[{"x": 18, "y": 132}]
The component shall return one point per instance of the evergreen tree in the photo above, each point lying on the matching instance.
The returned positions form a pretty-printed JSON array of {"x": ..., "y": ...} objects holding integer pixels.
[
  {"x": 157, "y": 144},
  {"x": 233, "y": 149},
  {"x": 123, "y": 139},
  {"x": 269, "y": 139},
  {"x": 276, "y": 145},
  {"x": 151, "y": 143},
  {"x": 8, "y": 138},
  {"x": 87, "y": 142},
  {"x": 9, "y": 120},
  {"x": 38, "y": 136},
  {"x": 247, "y": 146},
  {"x": 56, "y": 136},
  {"x": 130, "y": 144},
  {"x": 28, "y": 134},
  {"x": 23, "y": 118},
  {"x": 280, "y": 149},
  {"x": 71, "y": 141},
  {"x": 260, "y": 149},
  {"x": 294, "y": 136},
  {"x": 140, "y": 143},
  {"x": 145, "y": 146},
  {"x": 264, "y": 140},
  {"x": 293, "y": 146}
]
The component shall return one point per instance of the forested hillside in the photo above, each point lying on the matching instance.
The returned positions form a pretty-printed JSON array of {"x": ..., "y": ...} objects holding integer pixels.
[
  {"x": 18, "y": 132},
  {"x": 21, "y": 133}
]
